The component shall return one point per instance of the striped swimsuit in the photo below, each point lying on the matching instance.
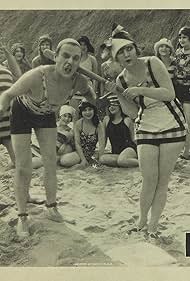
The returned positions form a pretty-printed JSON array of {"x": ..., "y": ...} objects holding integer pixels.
[
  {"x": 158, "y": 121},
  {"x": 6, "y": 81},
  {"x": 42, "y": 107}
]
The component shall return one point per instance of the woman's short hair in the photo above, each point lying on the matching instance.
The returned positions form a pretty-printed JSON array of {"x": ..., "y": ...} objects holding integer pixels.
[{"x": 83, "y": 105}]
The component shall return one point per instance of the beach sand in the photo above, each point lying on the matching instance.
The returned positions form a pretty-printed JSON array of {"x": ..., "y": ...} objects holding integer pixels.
[{"x": 99, "y": 206}]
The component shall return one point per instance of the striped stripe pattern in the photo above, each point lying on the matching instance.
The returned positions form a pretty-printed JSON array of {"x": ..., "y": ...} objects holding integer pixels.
[
  {"x": 6, "y": 81},
  {"x": 39, "y": 108},
  {"x": 179, "y": 127}
]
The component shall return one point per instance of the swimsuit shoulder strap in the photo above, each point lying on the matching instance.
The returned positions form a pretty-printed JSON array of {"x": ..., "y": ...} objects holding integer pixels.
[
  {"x": 44, "y": 83},
  {"x": 152, "y": 74}
]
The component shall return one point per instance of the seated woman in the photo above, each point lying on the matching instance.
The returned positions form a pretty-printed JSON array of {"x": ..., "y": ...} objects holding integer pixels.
[
  {"x": 120, "y": 131},
  {"x": 65, "y": 137},
  {"x": 88, "y": 131}
]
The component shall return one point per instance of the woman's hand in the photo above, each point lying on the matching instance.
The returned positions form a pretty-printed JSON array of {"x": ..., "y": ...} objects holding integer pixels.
[
  {"x": 112, "y": 87},
  {"x": 132, "y": 93}
]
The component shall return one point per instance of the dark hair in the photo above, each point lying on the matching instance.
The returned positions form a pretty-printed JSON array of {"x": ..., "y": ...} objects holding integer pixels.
[
  {"x": 43, "y": 59},
  {"x": 111, "y": 116},
  {"x": 15, "y": 46},
  {"x": 86, "y": 41},
  {"x": 45, "y": 38},
  {"x": 95, "y": 118},
  {"x": 185, "y": 30}
]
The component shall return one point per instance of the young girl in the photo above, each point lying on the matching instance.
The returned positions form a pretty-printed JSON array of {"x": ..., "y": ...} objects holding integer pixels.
[
  {"x": 88, "y": 131},
  {"x": 120, "y": 131},
  {"x": 65, "y": 137}
]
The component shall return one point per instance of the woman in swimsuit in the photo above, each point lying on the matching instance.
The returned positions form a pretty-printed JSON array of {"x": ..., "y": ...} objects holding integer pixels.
[
  {"x": 119, "y": 130},
  {"x": 160, "y": 126},
  {"x": 88, "y": 131},
  {"x": 37, "y": 97}
]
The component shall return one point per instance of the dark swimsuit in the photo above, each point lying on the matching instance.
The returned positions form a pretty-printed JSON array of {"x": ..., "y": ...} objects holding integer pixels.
[{"x": 119, "y": 136}]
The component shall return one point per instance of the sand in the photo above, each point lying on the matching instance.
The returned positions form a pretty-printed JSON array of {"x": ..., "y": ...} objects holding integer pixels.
[{"x": 99, "y": 206}]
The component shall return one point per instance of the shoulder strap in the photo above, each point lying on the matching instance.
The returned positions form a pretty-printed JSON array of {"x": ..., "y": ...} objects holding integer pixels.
[
  {"x": 152, "y": 75},
  {"x": 44, "y": 83},
  {"x": 123, "y": 82}
]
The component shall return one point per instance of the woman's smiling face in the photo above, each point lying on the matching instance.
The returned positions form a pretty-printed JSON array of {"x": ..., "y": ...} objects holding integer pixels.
[
  {"x": 88, "y": 113},
  {"x": 184, "y": 41},
  {"x": 164, "y": 50}
]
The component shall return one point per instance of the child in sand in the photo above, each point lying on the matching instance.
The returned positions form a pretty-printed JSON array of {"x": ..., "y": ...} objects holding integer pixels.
[
  {"x": 88, "y": 131},
  {"x": 65, "y": 137}
]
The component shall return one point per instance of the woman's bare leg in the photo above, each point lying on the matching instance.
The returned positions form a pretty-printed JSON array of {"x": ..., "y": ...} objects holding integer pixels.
[
  {"x": 148, "y": 162},
  {"x": 109, "y": 160},
  {"x": 69, "y": 159},
  {"x": 128, "y": 158},
  {"x": 168, "y": 155}
]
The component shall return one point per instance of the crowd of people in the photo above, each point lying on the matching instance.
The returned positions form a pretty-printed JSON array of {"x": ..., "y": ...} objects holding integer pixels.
[{"x": 146, "y": 115}]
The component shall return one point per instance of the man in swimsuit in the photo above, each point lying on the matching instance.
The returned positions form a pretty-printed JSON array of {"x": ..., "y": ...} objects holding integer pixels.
[{"x": 38, "y": 95}]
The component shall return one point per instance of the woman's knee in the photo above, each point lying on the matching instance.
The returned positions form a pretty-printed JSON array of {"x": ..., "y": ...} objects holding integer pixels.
[
  {"x": 103, "y": 159},
  {"x": 23, "y": 171},
  {"x": 69, "y": 160}
]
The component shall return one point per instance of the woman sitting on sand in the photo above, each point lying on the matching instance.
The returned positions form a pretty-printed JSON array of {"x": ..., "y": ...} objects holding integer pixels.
[
  {"x": 160, "y": 126},
  {"x": 119, "y": 130},
  {"x": 88, "y": 131},
  {"x": 65, "y": 137}
]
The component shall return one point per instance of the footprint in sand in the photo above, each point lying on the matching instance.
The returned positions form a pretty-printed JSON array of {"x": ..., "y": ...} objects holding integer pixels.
[
  {"x": 94, "y": 228},
  {"x": 162, "y": 227},
  {"x": 89, "y": 207}
]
